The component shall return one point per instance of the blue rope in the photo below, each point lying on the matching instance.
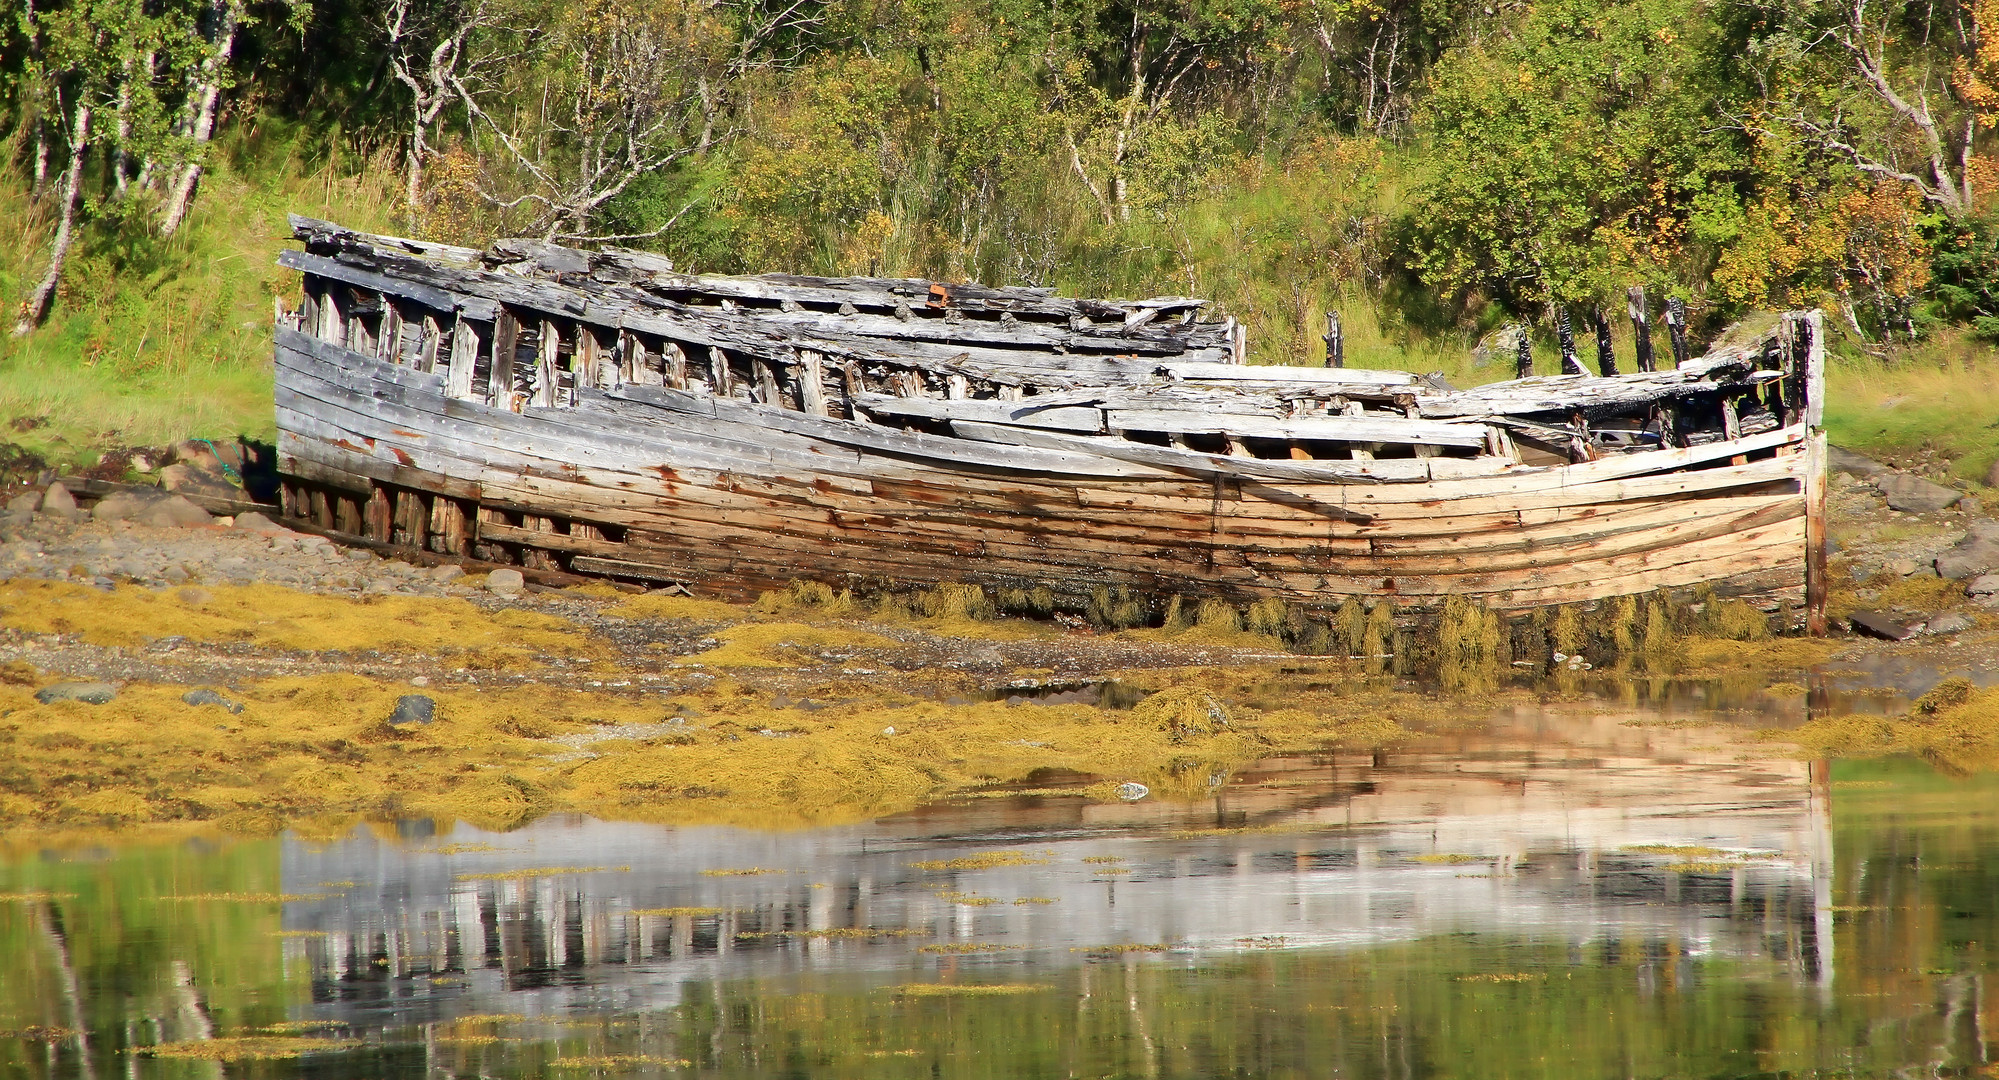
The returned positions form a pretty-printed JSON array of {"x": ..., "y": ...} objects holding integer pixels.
[{"x": 226, "y": 470}]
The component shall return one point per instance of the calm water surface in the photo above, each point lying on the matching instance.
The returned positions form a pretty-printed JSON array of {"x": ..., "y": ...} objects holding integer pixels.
[{"x": 1577, "y": 891}]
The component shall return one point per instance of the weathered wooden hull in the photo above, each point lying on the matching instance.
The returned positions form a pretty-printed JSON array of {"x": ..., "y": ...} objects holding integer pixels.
[{"x": 653, "y": 484}]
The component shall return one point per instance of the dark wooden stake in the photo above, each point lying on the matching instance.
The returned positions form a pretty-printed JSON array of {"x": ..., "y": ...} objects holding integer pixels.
[
  {"x": 1599, "y": 327},
  {"x": 1524, "y": 347},
  {"x": 1676, "y": 325},
  {"x": 1641, "y": 325},
  {"x": 1565, "y": 335},
  {"x": 1336, "y": 343}
]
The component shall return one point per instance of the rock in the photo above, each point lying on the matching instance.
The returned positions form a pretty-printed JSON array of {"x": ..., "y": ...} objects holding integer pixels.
[
  {"x": 205, "y": 696},
  {"x": 256, "y": 523},
  {"x": 125, "y": 505},
  {"x": 449, "y": 572},
  {"x": 90, "y": 693},
  {"x": 359, "y": 554},
  {"x": 1983, "y": 585},
  {"x": 506, "y": 582},
  {"x": 24, "y": 503},
  {"x": 1915, "y": 495},
  {"x": 1948, "y": 623},
  {"x": 58, "y": 500},
  {"x": 198, "y": 481},
  {"x": 198, "y": 453},
  {"x": 1904, "y": 567},
  {"x": 1875, "y": 624},
  {"x": 413, "y": 709},
  {"x": 1859, "y": 465},
  {"x": 173, "y": 512},
  {"x": 1976, "y": 554},
  {"x": 1131, "y": 792}
]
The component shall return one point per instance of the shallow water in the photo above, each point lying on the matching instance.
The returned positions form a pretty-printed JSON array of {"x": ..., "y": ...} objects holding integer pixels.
[{"x": 1587, "y": 890}]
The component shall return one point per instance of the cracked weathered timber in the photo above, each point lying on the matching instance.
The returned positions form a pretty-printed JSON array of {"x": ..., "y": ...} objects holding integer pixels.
[{"x": 601, "y": 413}]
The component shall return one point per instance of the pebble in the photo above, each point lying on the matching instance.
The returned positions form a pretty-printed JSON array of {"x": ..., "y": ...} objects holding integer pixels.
[
  {"x": 90, "y": 693},
  {"x": 205, "y": 696},
  {"x": 412, "y": 709}
]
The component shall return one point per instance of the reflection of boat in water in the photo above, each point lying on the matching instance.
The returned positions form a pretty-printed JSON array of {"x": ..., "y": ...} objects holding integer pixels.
[
  {"x": 599, "y": 413},
  {"x": 1563, "y": 830}
]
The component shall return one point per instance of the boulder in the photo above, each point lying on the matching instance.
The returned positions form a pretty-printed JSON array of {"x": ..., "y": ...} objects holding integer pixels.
[
  {"x": 187, "y": 478},
  {"x": 57, "y": 500},
  {"x": 90, "y": 693},
  {"x": 1914, "y": 495},
  {"x": 198, "y": 453},
  {"x": 413, "y": 710},
  {"x": 25, "y": 503},
  {"x": 1976, "y": 554},
  {"x": 506, "y": 582},
  {"x": 173, "y": 512},
  {"x": 1859, "y": 465},
  {"x": 205, "y": 696},
  {"x": 447, "y": 573},
  {"x": 125, "y": 505},
  {"x": 1948, "y": 623},
  {"x": 1983, "y": 585},
  {"x": 256, "y": 523}
]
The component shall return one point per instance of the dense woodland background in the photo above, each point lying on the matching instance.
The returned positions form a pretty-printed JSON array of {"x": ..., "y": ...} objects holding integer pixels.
[{"x": 1435, "y": 170}]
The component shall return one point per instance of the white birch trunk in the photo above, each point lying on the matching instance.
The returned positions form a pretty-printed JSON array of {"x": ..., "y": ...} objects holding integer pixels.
[{"x": 36, "y": 307}]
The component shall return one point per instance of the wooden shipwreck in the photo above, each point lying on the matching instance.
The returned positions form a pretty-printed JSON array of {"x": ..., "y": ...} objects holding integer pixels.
[{"x": 600, "y": 413}]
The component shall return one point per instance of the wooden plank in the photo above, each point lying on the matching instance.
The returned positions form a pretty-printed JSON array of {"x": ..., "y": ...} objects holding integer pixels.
[
  {"x": 1362, "y": 377},
  {"x": 440, "y": 300},
  {"x": 1027, "y": 413},
  {"x": 1326, "y": 428}
]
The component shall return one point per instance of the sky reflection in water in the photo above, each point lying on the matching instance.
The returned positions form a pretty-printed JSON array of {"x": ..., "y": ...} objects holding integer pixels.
[{"x": 1561, "y": 894}]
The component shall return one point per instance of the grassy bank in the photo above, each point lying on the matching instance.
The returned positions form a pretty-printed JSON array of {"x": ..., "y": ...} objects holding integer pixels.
[{"x": 154, "y": 340}]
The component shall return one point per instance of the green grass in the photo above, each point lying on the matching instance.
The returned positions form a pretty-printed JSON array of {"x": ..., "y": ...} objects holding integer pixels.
[
  {"x": 1941, "y": 397},
  {"x": 152, "y": 341}
]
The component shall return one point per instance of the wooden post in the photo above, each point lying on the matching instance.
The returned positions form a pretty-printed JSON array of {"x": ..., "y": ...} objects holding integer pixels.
[
  {"x": 1676, "y": 325},
  {"x": 1336, "y": 344},
  {"x": 500, "y": 379},
  {"x": 766, "y": 382},
  {"x": 1599, "y": 326},
  {"x": 464, "y": 355},
  {"x": 812, "y": 383},
  {"x": 1641, "y": 325},
  {"x": 1815, "y": 546},
  {"x": 1565, "y": 336},
  {"x": 1523, "y": 352},
  {"x": 718, "y": 369},
  {"x": 583, "y": 369},
  {"x": 433, "y": 333},
  {"x": 674, "y": 360},
  {"x": 1816, "y": 580},
  {"x": 389, "y": 347},
  {"x": 545, "y": 378}
]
